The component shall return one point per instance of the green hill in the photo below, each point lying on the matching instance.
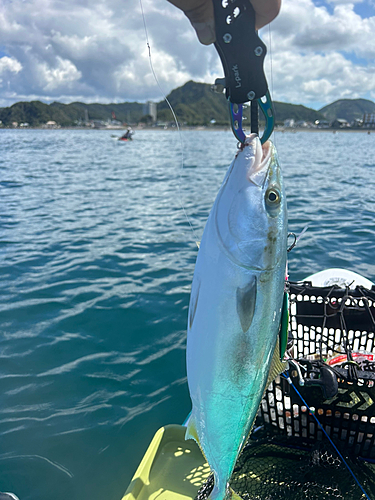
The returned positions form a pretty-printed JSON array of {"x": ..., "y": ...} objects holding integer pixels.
[
  {"x": 37, "y": 113},
  {"x": 194, "y": 104},
  {"x": 284, "y": 111},
  {"x": 348, "y": 109}
]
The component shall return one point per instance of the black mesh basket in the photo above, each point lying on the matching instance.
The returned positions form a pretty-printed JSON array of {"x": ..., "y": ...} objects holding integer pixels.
[
  {"x": 287, "y": 455},
  {"x": 326, "y": 323}
]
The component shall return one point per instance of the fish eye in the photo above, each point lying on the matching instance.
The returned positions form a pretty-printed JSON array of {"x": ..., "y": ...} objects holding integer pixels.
[{"x": 273, "y": 196}]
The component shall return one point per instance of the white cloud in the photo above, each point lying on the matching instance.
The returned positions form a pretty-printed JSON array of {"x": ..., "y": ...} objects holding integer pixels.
[
  {"x": 319, "y": 78},
  {"x": 97, "y": 51},
  {"x": 321, "y": 56},
  {"x": 63, "y": 75},
  {"x": 344, "y": 1},
  {"x": 9, "y": 64}
]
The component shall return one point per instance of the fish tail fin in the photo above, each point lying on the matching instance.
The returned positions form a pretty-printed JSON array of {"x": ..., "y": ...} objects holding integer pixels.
[
  {"x": 233, "y": 495},
  {"x": 220, "y": 495}
]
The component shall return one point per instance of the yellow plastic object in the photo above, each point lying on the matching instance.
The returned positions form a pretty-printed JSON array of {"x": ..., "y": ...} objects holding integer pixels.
[{"x": 171, "y": 469}]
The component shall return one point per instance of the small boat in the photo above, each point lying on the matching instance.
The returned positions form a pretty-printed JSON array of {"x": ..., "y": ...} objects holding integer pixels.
[
  {"x": 288, "y": 454},
  {"x": 122, "y": 139}
]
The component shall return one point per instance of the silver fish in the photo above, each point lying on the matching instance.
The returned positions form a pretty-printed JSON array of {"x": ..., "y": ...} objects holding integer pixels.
[{"x": 235, "y": 308}]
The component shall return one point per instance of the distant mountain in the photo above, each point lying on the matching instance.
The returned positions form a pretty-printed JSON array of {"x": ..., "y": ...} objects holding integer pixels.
[
  {"x": 284, "y": 111},
  {"x": 37, "y": 113},
  {"x": 348, "y": 109},
  {"x": 195, "y": 104}
]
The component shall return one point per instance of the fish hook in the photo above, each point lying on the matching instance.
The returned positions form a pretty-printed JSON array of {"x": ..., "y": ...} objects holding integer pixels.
[{"x": 294, "y": 241}]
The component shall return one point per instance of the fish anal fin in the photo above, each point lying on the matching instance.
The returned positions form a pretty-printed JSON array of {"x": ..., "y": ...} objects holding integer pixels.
[
  {"x": 246, "y": 299},
  {"x": 191, "y": 430},
  {"x": 192, "y": 433}
]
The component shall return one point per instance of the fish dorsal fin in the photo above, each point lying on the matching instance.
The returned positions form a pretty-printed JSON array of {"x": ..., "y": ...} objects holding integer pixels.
[
  {"x": 277, "y": 366},
  {"x": 284, "y": 325},
  {"x": 246, "y": 299}
]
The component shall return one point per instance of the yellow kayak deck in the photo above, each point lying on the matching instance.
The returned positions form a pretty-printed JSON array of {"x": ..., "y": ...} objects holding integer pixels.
[{"x": 171, "y": 469}]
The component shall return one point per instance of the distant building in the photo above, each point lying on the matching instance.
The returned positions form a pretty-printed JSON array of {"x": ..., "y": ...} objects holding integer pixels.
[
  {"x": 150, "y": 108},
  {"x": 340, "y": 123},
  {"x": 357, "y": 123},
  {"x": 51, "y": 124},
  {"x": 302, "y": 124},
  {"x": 369, "y": 120},
  {"x": 98, "y": 124},
  {"x": 289, "y": 122},
  {"x": 322, "y": 123}
]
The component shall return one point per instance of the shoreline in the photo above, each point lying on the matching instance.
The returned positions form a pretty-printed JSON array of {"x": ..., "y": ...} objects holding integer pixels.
[{"x": 200, "y": 128}]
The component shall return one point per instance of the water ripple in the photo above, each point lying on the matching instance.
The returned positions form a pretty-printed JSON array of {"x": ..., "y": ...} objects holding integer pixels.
[{"x": 96, "y": 262}]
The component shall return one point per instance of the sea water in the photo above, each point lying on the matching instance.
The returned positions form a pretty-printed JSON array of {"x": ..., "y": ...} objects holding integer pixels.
[{"x": 97, "y": 258}]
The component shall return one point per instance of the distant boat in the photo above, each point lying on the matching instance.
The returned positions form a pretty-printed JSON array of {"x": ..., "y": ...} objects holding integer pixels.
[{"x": 122, "y": 139}]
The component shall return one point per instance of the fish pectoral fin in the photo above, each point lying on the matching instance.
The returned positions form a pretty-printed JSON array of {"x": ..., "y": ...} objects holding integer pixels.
[
  {"x": 194, "y": 301},
  {"x": 246, "y": 299}
]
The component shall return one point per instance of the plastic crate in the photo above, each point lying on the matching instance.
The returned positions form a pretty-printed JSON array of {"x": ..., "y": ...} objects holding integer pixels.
[{"x": 325, "y": 322}]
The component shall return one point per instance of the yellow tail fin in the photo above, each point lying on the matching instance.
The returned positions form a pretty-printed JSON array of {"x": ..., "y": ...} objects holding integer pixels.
[
  {"x": 230, "y": 495},
  {"x": 233, "y": 495}
]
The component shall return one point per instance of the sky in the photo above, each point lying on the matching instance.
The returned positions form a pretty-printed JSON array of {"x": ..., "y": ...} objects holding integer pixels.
[{"x": 76, "y": 50}]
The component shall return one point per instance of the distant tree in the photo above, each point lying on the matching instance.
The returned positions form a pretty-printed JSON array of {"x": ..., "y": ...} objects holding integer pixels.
[{"x": 147, "y": 119}]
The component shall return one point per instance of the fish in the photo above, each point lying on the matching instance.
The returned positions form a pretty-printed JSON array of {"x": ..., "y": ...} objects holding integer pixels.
[{"x": 235, "y": 308}]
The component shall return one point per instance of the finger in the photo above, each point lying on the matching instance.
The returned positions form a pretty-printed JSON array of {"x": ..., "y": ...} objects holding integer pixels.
[
  {"x": 201, "y": 15},
  {"x": 265, "y": 11}
]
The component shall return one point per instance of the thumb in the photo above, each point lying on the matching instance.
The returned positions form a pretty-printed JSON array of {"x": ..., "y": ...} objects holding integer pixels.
[{"x": 201, "y": 15}]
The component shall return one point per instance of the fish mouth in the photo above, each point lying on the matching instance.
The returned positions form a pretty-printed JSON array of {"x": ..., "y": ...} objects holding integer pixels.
[{"x": 259, "y": 160}]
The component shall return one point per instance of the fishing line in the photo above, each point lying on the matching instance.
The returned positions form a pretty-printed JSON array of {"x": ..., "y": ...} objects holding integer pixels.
[
  {"x": 300, "y": 375},
  {"x": 176, "y": 121},
  {"x": 289, "y": 380},
  {"x": 271, "y": 70}
]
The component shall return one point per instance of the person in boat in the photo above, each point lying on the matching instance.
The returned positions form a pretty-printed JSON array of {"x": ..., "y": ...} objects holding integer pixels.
[
  {"x": 201, "y": 15},
  {"x": 128, "y": 134}
]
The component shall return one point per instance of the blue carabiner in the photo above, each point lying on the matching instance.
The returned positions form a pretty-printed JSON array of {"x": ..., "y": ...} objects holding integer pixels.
[
  {"x": 265, "y": 104},
  {"x": 236, "y": 116}
]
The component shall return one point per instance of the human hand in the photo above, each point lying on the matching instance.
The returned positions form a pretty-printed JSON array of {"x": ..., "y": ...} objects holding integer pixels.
[{"x": 201, "y": 15}]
